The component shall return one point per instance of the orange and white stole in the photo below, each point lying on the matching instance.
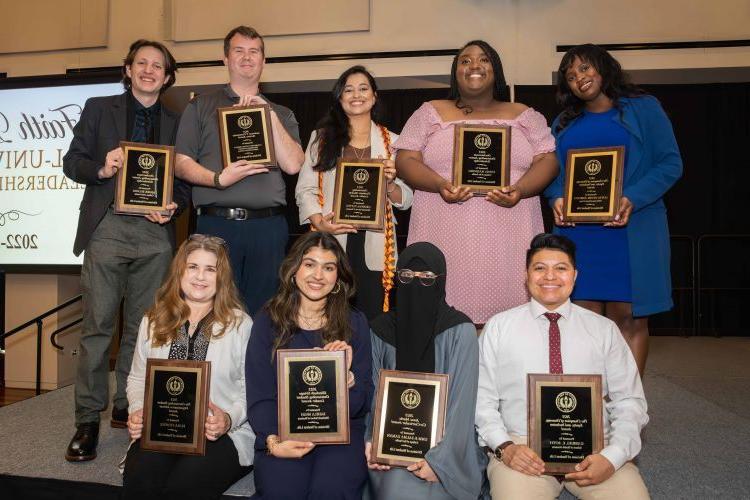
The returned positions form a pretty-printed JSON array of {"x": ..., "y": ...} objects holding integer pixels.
[{"x": 389, "y": 264}]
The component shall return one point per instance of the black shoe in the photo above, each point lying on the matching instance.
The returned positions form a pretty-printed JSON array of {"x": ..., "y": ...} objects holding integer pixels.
[
  {"x": 119, "y": 417},
  {"x": 83, "y": 445}
]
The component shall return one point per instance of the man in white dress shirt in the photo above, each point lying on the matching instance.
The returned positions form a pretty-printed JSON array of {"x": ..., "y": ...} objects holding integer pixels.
[{"x": 549, "y": 334}]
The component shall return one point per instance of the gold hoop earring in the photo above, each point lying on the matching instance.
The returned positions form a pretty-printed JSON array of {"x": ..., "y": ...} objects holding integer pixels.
[{"x": 337, "y": 288}]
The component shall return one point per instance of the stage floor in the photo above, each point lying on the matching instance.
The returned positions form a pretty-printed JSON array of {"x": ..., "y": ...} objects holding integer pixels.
[{"x": 695, "y": 446}]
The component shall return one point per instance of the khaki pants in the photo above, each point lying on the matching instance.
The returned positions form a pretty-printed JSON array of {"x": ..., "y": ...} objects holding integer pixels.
[{"x": 507, "y": 484}]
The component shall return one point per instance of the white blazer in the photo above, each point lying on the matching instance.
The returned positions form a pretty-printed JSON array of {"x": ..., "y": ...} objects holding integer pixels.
[
  {"x": 227, "y": 357},
  {"x": 306, "y": 193}
]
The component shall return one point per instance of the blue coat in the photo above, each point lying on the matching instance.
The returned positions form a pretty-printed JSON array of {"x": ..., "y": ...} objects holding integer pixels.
[{"x": 653, "y": 166}]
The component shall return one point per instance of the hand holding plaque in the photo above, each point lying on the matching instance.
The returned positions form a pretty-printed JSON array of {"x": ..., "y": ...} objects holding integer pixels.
[
  {"x": 409, "y": 416},
  {"x": 245, "y": 133},
  {"x": 565, "y": 419},
  {"x": 144, "y": 183},
  {"x": 313, "y": 399},
  {"x": 175, "y": 406},
  {"x": 593, "y": 184},
  {"x": 359, "y": 197},
  {"x": 481, "y": 157}
]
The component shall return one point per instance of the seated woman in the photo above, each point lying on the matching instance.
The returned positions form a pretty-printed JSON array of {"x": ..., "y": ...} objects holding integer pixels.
[
  {"x": 310, "y": 310},
  {"x": 425, "y": 334},
  {"x": 197, "y": 315}
]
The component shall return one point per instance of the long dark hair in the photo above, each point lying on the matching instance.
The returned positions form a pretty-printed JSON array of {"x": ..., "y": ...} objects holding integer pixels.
[
  {"x": 333, "y": 128},
  {"x": 615, "y": 82},
  {"x": 284, "y": 306},
  {"x": 499, "y": 90}
]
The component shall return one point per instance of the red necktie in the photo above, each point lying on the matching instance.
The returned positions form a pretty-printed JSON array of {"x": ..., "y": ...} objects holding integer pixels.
[{"x": 555, "y": 358}]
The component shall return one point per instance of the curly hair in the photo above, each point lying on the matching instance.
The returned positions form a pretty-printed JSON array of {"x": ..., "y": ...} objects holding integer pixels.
[
  {"x": 499, "y": 90},
  {"x": 284, "y": 306},
  {"x": 333, "y": 128},
  {"x": 615, "y": 82},
  {"x": 170, "y": 311}
]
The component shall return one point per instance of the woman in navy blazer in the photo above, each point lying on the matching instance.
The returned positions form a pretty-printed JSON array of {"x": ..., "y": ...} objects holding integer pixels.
[
  {"x": 310, "y": 310},
  {"x": 623, "y": 265}
]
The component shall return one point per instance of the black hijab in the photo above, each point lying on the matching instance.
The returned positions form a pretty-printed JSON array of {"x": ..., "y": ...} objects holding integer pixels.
[{"x": 421, "y": 311}]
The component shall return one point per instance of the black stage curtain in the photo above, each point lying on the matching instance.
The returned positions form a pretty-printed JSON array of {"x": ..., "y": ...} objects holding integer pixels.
[{"x": 711, "y": 123}]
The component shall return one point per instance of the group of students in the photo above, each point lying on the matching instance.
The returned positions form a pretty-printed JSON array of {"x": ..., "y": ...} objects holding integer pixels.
[
  {"x": 198, "y": 315},
  {"x": 331, "y": 287}
]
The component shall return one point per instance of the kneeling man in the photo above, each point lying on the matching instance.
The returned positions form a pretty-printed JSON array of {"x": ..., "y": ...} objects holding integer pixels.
[{"x": 549, "y": 334}]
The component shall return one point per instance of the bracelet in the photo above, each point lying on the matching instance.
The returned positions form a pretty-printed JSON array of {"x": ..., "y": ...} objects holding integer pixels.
[
  {"x": 217, "y": 184},
  {"x": 389, "y": 191},
  {"x": 271, "y": 442}
]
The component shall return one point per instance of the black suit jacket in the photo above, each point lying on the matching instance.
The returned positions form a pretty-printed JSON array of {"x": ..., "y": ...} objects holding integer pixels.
[{"x": 100, "y": 129}]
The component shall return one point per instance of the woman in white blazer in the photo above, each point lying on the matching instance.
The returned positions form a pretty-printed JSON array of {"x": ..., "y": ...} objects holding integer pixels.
[
  {"x": 197, "y": 315},
  {"x": 351, "y": 130}
]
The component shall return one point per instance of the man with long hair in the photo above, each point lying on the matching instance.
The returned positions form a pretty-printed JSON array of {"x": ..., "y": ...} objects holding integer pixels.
[{"x": 125, "y": 257}]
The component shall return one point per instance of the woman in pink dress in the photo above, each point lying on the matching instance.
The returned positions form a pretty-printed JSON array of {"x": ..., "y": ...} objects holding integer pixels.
[{"x": 484, "y": 239}]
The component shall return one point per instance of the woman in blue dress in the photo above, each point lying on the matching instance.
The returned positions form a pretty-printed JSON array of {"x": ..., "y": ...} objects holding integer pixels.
[
  {"x": 310, "y": 310},
  {"x": 624, "y": 264}
]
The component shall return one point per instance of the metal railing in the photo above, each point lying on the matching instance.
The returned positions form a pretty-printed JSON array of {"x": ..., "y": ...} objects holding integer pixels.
[
  {"x": 692, "y": 288},
  {"x": 702, "y": 240},
  {"x": 39, "y": 321}
]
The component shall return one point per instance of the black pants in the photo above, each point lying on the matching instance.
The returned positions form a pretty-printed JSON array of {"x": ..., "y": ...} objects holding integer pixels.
[
  {"x": 369, "y": 297},
  {"x": 153, "y": 475}
]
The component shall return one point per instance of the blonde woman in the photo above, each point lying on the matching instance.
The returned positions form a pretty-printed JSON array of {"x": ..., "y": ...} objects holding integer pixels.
[{"x": 197, "y": 315}]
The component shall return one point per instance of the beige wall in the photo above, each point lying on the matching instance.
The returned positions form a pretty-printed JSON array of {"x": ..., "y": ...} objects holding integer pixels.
[{"x": 524, "y": 31}]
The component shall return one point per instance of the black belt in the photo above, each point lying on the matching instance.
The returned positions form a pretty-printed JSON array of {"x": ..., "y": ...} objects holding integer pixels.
[{"x": 240, "y": 213}]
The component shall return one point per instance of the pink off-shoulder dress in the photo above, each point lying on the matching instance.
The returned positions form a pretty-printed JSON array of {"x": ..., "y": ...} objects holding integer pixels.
[{"x": 484, "y": 244}]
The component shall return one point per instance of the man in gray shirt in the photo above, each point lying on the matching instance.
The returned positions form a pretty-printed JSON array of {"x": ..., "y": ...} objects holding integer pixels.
[{"x": 244, "y": 202}]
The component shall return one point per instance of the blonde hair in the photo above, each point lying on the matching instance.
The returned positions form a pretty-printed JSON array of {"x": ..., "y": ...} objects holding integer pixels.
[{"x": 170, "y": 311}]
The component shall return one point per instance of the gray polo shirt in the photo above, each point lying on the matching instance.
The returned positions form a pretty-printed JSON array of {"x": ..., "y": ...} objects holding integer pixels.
[{"x": 198, "y": 138}]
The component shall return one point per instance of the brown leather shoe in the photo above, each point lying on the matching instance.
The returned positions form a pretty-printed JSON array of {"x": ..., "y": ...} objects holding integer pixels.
[
  {"x": 119, "y": 418},
  {"x": 83, "y": 445}
]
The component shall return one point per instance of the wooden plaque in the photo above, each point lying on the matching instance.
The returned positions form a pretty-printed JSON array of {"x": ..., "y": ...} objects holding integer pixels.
[
  {"x": 144, "y": 183},
  {"x": 409, "y": 416},
  {"x": 565, "y": 419},
  {"x": 175, "y": 406},
  {"x": 359, "y": 197},
  {"x": 245, "y": 133},
  {"x": 481, "y": 157},
  {"x": 593, "y": 184},
  {"x": 313, "y": 397}
]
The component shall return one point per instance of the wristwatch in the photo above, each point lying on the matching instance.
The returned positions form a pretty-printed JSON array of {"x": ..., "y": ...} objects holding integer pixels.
[
  {"x": 217, "y": 184},
  {"x": 501, "y": 447}
]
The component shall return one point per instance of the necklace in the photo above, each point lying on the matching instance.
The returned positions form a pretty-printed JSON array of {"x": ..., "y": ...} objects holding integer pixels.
[
  {"x": 357, "y": 154},
  {"x": 312, "y": 322},
  {"x": 466, "y": 108}
]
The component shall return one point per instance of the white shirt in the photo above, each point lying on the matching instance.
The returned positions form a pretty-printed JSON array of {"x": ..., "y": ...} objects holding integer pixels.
[
  {"x": 515, "y": 343},
  {"x": 227, "y": 391},
  {"x": 306, "y": 193}
]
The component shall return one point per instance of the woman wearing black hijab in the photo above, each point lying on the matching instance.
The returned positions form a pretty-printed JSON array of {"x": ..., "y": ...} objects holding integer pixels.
[{"x": 425, "y": 334}]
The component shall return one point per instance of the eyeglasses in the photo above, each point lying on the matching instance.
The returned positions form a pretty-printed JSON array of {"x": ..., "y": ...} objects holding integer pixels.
[
  {"x": 207, "y": 237},
  {"x": 426, "y": 278}
]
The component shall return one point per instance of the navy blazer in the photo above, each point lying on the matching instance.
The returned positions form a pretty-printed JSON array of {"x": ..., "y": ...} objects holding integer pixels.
[{"x": 100, "y": 129}]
